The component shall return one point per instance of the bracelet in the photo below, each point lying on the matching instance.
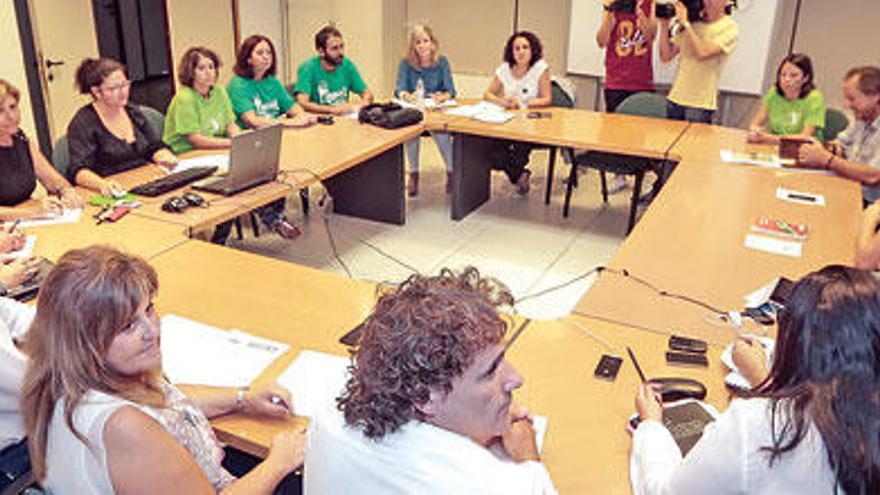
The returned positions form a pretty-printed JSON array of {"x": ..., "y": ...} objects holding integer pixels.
[
  {"x": 239, "y": 399},
  {"x": 830, "y": 161}
]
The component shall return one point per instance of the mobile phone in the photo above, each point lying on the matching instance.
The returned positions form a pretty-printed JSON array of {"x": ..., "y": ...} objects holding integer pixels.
[
  {"x": 325, "y": 119},
  {"x": 539, "y": 115},
  {"x": 759, "y": 316},
  {"x": 679, "y": 343},
  {"x": 608, "y": 367},
  {"x": 673, "y": 357}
]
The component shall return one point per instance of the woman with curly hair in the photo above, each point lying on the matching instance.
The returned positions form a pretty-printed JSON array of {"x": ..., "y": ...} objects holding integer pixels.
[{"x": 429, "y": 407}]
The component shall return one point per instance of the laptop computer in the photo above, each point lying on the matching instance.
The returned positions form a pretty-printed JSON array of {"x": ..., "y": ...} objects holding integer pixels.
[{"x": 253, "y": 160}]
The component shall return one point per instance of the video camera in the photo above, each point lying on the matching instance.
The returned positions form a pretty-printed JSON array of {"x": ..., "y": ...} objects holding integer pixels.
[{"x": 694, "y": 8}]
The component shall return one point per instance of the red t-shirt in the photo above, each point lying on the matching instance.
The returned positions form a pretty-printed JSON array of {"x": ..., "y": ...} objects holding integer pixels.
[{"x": 628, "y": 56}]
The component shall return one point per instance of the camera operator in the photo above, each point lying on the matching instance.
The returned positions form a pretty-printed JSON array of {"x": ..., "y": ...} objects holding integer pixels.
[
  {"x": 703, "y": 46},
  {"x": 627, "y": 34}
]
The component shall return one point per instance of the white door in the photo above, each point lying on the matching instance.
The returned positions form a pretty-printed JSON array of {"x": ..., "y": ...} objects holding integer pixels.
[{"x": 64, "y": 33}]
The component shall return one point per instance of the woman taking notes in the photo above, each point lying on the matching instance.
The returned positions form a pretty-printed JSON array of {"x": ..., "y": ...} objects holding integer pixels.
[
  {"x": 101, "y": 418},
  {"x": 810, "y": 423},
  {"x": 110, "y": 135},
  {"x": 22, "y": 165},
  {"x": 793, "y": 107},
  {"x": 522, "y": 81},
  {"x": 424, "y": 74}
]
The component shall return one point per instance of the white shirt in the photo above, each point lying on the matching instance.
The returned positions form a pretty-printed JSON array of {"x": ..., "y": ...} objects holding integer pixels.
[
  {"x": 417, "y": 459},
  {"x": 727, "y": 458},
  {"x": 526, "y": 88},
  {"x": 15, "y": 320}
]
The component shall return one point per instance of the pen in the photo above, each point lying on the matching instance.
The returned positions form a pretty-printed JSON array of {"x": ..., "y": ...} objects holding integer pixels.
[
  {"x": 785, "y": 227},
  {"x": 278, "y": 401},
  {"x": 14, "y": 226},
  {"x": 636, "y": 364}
]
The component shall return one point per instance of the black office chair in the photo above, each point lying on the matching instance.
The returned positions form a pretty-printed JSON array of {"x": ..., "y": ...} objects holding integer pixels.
[{"x": 643, "y": 104}]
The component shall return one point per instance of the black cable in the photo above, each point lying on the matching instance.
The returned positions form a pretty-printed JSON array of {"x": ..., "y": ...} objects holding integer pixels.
[
  {"x": 390, "y": 257},
  {"x": 571, "y": 281},
  {"x": 665, "y": 293},
  {"x": 333, "y": 247}
]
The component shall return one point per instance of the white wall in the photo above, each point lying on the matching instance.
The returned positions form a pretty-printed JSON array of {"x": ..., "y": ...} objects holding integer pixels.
[{"x": 12, "y": 64}]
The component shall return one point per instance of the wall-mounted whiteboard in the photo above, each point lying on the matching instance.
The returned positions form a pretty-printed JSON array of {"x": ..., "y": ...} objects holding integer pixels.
[{"x": 746, "y": 70}]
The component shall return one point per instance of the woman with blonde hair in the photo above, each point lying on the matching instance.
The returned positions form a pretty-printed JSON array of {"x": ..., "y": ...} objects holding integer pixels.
[
  {"x": 22, "y": 165},
  {"x": 424, "y": 77},
  {"x": 101, "y": 418}
]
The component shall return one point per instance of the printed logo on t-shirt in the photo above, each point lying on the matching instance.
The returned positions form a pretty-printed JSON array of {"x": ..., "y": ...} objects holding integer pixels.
[
  {"x": 267, "y": 109},
  {"x": 631, "y": 41},
  {"x": 327, "y": 97}
]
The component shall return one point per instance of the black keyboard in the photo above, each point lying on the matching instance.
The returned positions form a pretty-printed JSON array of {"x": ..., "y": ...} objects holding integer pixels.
[{"x": 172, "y": 181}]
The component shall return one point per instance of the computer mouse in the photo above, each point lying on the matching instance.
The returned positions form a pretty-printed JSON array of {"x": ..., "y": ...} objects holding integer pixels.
[
  {"x": 676, "y": 388},
  {"x": 175, "y": 204},
  {"x": 194, "y": 199}
]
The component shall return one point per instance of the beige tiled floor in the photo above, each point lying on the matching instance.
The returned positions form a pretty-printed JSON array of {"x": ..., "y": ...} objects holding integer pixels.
[{"x": 519, "y": 240}]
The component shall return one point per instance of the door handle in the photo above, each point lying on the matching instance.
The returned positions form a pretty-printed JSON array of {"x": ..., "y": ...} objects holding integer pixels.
[{"x": 52, "y": 63}]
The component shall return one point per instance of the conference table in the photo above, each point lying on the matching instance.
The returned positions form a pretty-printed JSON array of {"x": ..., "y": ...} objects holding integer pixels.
[{"x": 689, "y": 242}]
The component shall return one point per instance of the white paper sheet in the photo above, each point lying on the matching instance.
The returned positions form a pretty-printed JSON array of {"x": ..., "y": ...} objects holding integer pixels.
[
  {"x": 69, "y": 216},
  {"x": 314, "y": 379},
  {"x": 775, "y": 246},
  {"x": 221, "y": 161},
  {"x": 800, "y": 197},
  {"x": 194, "y": 353},
  {"x": 483, "y": 111}
]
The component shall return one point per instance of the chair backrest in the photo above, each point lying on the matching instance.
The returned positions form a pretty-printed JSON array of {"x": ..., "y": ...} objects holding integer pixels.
[
  {"x": 155, "y": 118},
  {"x": 835, "y": 121},
  {"x": 560, "y": 96},
  {"x": 291, "y": 89},
  {"x": 61, "y": 155},
  {"x": 645, "y": 104}
]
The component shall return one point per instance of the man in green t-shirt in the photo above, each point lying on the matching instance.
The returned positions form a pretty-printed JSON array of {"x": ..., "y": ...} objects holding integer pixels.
[{"x": 324, "y": 81}]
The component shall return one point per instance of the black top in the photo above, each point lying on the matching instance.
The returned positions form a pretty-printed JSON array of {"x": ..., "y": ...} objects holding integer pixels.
[
  {"x": 17, "y": 177},
  {"x": 94, "y": 147}
]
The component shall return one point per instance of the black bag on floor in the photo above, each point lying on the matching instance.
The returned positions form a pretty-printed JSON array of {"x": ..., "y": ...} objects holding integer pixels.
[{"x": 389, "y": 115}]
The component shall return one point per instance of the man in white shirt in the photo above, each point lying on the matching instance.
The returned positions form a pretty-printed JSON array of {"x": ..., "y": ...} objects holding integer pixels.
[{"x": 428, "y": 408}]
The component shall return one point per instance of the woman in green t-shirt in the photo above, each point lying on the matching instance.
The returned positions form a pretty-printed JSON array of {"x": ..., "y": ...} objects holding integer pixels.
[
  {"x": 793, "y": 107},
  {"x": 200, "y": 116}
]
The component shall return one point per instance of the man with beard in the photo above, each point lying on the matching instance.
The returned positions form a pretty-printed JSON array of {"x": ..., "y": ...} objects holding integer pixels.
[
  {"x": 428, "y": 407},
  {"x": 324, "y": 81}
]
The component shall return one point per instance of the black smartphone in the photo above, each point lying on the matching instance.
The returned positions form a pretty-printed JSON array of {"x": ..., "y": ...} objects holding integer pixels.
[
  {"x": 325, "y": 119},
  {"x": 759, "y": 316},
  {"x": 673, "y": 357},
  {"x": 679, "y": 343},
  {"x": 539, "y": 115},
  {"x": 608, "y": 367}
]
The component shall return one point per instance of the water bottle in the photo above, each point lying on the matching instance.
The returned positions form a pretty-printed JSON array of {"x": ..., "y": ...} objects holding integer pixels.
[
  {"x": 420, "y": 90},
  {"x": 524, "y": 99}
]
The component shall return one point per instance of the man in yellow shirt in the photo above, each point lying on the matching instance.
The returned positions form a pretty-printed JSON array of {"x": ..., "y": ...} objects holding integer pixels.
[{"x": 703, "y": 46}]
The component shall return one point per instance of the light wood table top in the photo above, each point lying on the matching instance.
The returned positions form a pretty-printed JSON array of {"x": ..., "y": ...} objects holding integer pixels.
[
  {"x": 304, "y": 307},
  {"x": 691, "y": 240},
  {"x": 586, "y": 447},
  {"x": 575, "y": 128}
]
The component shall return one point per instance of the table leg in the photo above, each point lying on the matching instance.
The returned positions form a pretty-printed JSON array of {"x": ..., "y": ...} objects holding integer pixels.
[
  {"x": 372, "y": 190},
  {"x": 471, "y": 173}
]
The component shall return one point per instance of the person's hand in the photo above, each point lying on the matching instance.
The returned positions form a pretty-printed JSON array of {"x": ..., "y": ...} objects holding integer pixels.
[
  {"x": 345, "y": 108},
  {"x": 756, "y": 135},
  {"x": 648, "y": 403},
  {"x": 519, "y": 439},
  {"x": 11, "y": 241},
  {"x": 813, "y": 155},
  {"x": 111, "y": 189},
  {"x": 751, "y": 360},
  {"x": 681, "y": 14},
  {"x": 165, "y": 158},
  {"x": 18, "y": 271},
  {"x": 510, "y": 102},
  {"x": 268, "y": 400},
  {"x": 405, "y": 96},
  {"x": 70, "y": 199},
  {"x": 288, "y": 449},
  {"x": 50, "y": 207},
  {"x": 438, "y": 97},
  {"x": 301, "y": 120}
]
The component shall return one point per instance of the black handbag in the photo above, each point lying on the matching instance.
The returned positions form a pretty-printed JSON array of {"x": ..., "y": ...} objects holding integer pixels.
[{"x": 389, "y": 115}]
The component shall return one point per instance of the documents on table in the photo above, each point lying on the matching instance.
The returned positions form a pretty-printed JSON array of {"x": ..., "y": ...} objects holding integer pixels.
[
  {"x": 25, "y": 251},
  {"x": 314, "y": 379},
  {"x": 69, "y": 216},
  {"x": 221, "y": 161},
  {"x": 194, "y": 353},
  {"x": 483, "y": 111},
  {"x": 775, "y": 246},
  {"x": 799, "y": 197}
]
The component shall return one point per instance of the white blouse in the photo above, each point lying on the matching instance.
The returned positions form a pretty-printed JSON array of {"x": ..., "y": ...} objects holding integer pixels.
[
  {"x": 526, "y": 88},
  {"x": 15, "y": 320},
  {"x": 728, "y": 460}
]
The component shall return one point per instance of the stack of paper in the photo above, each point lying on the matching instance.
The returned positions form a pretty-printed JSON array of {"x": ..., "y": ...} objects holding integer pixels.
[
  {"x": 315, "y": 379},
  {"x": 194, "y": 353},
  {"x": 69, "y": 216},
  {"x": 483, "y": 111}
]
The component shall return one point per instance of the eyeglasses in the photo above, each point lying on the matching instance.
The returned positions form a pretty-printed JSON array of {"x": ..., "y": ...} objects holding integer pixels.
[{"x": 116, "y": 87}]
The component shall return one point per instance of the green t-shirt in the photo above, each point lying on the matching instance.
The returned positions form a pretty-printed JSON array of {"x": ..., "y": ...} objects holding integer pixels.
[
  {"x": 267, "y": 97},
  {"x": 786, "y": 116},
  {"x": 328, "y": 88},
  {"x": 190, "y": 113}
]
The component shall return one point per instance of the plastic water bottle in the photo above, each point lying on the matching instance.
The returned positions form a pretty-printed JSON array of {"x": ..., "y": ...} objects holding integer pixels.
[
  {"x": 524, "y": 99},
  {"x": 420, "y": 90}
]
